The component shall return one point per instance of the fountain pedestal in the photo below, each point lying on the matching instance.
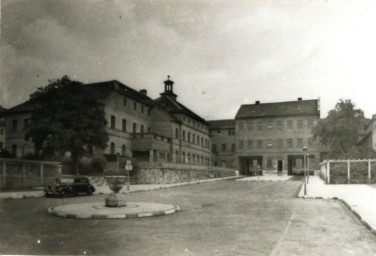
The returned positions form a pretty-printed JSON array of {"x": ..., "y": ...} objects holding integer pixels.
[{"x": 115, "y": 183}]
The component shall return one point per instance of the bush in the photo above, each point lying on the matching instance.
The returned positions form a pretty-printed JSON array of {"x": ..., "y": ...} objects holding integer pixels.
[{"x": 97, "y": 164}]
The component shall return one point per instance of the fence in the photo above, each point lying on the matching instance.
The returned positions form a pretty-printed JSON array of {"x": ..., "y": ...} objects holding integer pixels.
[
  {"x": 348, "y": 171},
  {"x": 16, "y": 173}
]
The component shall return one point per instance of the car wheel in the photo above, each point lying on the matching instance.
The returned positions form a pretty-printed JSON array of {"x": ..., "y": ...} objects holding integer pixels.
[
  {"x": 90, "y": 191},
  {"x": 63, "y": 193}
]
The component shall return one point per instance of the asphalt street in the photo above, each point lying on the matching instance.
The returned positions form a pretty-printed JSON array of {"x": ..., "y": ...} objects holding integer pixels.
[{"x": 217, "y": 218}]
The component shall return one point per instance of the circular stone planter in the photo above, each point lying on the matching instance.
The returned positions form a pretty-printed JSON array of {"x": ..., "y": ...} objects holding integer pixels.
[{"x": 100, "y": 211}]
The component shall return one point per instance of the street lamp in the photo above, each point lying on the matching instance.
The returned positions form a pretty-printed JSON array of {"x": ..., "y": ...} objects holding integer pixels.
[{"x": 305, "y": 169}]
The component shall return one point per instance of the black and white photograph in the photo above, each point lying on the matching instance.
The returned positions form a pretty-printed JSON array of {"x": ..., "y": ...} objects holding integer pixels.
[{"x": 188, "y": 127}]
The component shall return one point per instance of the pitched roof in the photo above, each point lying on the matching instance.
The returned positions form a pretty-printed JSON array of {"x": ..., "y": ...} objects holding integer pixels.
[
  {"x": 277, "y": 109},
  {"x": 24, "y": 107},
  {"x": 225, "y": 123},
  {"x": 174, "y": 107},
  {"x": 103, "y": 89}
]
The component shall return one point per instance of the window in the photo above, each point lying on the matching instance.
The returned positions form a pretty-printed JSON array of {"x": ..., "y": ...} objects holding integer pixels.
[
  {"x": 14, "y": 150},
  {"x": 202, "y": 141},
  {"x": 183, "y": 135},
  {"x": 240, "y": 125},
  {"x": 193, "y": 138},
  {"x": 269, "y": 143},
  {"x": 240, "y": 145},
  {"x": 142, "y": 129},
  {"x": 123, "y": 150},
  {"x": 259, "y": 144},
  {"x": 300, "y": 124},
  {"x": 112, "y": 148},
  {"x": 269, "y": 125},
  {"x": 176, "y": 133},
  {"x": 214, "y": 148},
  {"x": 198, "y": 140},
  {"x": 289, "y": 143},
  {"x": 279, "y": 125},
  {"x": 14, "y": 125},
  {"x": 233, "y": 147},
  {"x": 269, "y": 163},
  {"x": 1, "y": 145},
  {"x": 223, "y": 147},
  {"x": 134, "y": 105},
  {"x": 280, "y": 143},
  {"x": 149, "y": 129},
  {"x": 189, "y": 137},
  {"x": 124, "y": 125},
  {"x": 289, "y": 124},
  {"x": 218, "y": 131},
  {"x": 134, "y": 130},
  {"x": 300, "y": 142},
  {"x": 113, "y": 122},
  {"x": 250, "y": 125},
  {"x": 310, "y": 123},
  {"x": 124, "y": 101},
  {"x": 259, "y": 126},
  {"x": 184, "y": 160},
  {"x": 250, "y": 144},
  {"x": 26, "y": 123},
  {"x": 231, "y": 132}
]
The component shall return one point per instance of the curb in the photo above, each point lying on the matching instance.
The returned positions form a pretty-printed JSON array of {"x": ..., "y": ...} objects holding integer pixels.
[
  {"x": 53, "y": 212},
  {"x": 23, "y": 196},
  {"x": 348, "y": 206}
]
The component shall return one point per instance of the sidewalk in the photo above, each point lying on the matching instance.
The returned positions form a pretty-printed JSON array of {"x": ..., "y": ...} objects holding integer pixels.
[
  {"x": 359, "y": 198},
  {"x": 266, "y": 177},
  {"x": 104, "y": 189}
]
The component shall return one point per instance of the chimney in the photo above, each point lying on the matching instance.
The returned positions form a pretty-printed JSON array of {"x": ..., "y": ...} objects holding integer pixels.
[
  {"x": 257, "y": 102},
  {"x": 144, "y": 92},
  {"x": 299, "y": 99}
]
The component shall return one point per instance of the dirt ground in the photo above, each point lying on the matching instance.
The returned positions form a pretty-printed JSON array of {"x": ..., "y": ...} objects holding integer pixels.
[{"x": 217, "y": 218}]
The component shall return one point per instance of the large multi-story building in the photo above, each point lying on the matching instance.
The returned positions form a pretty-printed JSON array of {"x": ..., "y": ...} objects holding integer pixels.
[
  {"x": 268, "y": 136},
  {"x": 138, "y": 127},
  {"x": 273, "y": 135}
]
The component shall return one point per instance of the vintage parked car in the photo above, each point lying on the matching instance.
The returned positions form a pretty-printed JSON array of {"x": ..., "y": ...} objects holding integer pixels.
[{"x": 69, "y": 186}]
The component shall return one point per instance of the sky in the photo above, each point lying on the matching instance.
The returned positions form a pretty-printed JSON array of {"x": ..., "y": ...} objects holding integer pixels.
[{"x": 219, "y": 53}]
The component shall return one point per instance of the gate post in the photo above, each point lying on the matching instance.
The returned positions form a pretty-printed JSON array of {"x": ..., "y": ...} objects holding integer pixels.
[
  {"x": 41, "y": 174},
  {"x": 369, "y": 171},
  {"x": 348, "y": 172}
]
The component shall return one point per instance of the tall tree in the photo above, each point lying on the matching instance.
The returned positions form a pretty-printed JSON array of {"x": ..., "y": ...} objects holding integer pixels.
[
  {"x": 340, "y": 131},
  {"x": 66, "y": 116}
]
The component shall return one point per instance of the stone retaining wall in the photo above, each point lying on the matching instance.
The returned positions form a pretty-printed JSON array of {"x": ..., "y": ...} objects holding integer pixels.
[{"x": 166, "y": 173}]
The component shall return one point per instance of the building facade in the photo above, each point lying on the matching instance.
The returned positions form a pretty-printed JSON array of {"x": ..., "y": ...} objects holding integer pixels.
[
  {"x": 222, "y": 135},
  {"x": 367, "y": 142},
  {"x": 137, "y": 126},
  {"x": 271, "y": 136}
]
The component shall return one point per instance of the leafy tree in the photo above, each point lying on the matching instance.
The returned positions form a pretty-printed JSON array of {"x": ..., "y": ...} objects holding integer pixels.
[
  {"x": 340, "y": 131},
  {"x": 66, "y": 116}
]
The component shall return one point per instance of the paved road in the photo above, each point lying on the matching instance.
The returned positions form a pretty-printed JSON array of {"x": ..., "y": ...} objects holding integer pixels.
[{"x": 218, "y": 218}]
